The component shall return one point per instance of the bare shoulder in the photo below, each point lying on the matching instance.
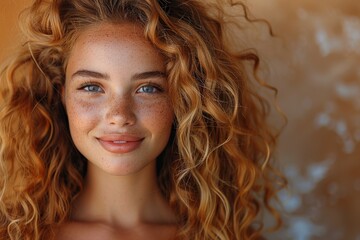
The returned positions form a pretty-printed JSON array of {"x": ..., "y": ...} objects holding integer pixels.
[{"x": 95, "y": 231}]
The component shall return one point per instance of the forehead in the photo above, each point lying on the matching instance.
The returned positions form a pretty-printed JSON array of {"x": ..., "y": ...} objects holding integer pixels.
[
  {"x": 111, "y": 32},
  {"x": 109, "y": 38},
  {"x": 106, "y": 45}
]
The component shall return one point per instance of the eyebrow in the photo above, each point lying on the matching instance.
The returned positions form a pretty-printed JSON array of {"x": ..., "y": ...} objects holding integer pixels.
[
  {"x": 137, "y": 76},
  {"x": 146, "y": 75},
  {"x": 92, "y": 74}
]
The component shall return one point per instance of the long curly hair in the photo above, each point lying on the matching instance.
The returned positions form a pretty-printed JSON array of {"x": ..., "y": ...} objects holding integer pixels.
[{"x": 215, "y": 172}]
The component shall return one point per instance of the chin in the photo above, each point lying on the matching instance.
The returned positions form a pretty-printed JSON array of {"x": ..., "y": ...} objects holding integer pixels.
[{"x": 127, "y": 169}]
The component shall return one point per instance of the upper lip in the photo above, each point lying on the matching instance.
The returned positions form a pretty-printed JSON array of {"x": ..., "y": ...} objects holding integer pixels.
[{"x": 120, "y": 137}]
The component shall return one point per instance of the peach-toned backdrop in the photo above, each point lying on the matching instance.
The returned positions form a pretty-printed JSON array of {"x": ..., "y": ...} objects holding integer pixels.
[{"x": 313, "y": 62}]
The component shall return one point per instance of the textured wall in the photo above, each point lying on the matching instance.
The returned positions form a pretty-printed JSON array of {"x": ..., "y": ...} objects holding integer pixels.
[
  {"x": 313, "y": 62},
  {"x": 9, "y": 31}
]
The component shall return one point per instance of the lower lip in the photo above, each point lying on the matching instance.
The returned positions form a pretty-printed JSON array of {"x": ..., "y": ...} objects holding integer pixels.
[{"x": 120, "y": 147}]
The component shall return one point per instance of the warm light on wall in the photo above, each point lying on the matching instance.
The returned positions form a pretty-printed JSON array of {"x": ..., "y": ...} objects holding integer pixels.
[{"x": 9, "y": 30}]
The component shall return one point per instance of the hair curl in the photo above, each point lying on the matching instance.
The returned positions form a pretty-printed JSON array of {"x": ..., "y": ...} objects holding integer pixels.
[{"x": 215, "y": 171}]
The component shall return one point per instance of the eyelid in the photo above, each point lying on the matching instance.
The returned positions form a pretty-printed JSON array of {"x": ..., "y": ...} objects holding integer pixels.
[
  {"x": 88, "y": 84},
  {"x": 158, "y": 87}
]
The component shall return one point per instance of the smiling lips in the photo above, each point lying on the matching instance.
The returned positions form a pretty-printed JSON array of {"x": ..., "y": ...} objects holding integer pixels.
[{"x": 120, "y": 143}]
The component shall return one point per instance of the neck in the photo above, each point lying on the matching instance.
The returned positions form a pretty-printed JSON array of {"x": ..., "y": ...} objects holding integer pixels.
[{"x": 122, "y": 200}]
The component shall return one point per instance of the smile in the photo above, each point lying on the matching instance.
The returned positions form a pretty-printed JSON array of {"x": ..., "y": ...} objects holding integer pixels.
[
  {"x": 120, "y": 146},
  {"x": 120, "y": 142}
]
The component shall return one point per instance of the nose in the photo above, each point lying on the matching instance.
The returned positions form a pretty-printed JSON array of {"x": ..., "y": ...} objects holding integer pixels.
[{"x": 120, "y": 111}]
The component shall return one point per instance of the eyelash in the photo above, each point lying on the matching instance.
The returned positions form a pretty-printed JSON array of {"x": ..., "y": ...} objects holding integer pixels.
[
  {"x": 90, "y": 84},
  {"x": 157, "y": 88}
]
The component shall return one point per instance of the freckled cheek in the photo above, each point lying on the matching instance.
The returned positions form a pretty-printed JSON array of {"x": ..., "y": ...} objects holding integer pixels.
[
  {"x": 81, "y": 114},
  {"x": 158, "y": 116}
]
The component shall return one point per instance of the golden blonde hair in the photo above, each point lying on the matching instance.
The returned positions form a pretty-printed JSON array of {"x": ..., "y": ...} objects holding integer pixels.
[{"x": 215, "y": 171}]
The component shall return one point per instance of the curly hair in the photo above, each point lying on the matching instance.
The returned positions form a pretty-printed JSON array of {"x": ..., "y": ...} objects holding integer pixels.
[{"x": 215, "y": 171}]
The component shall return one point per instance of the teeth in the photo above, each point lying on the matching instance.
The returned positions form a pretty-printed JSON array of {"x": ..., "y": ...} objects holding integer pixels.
[{"x": 119, "y": 142}]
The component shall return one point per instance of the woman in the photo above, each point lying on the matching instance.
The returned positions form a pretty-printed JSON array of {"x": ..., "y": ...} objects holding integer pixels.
[{"x": 131, "y": 119}]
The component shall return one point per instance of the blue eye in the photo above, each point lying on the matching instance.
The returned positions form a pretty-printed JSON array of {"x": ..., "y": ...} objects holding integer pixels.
[
  {"x": 148, "y": 89},
  {"x": 92, "y": 88}
]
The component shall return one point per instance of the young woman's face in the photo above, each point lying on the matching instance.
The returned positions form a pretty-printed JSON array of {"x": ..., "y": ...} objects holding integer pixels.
[{"x": 116, "y": 98}]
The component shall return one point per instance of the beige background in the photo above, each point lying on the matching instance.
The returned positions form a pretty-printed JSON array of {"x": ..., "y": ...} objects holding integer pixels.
[{"x": 313, "y": 61}]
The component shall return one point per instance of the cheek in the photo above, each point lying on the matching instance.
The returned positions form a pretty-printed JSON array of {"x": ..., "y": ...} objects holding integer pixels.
[
  {"x": 159, "y": 116},
  {"x": 81, "y": 114}
]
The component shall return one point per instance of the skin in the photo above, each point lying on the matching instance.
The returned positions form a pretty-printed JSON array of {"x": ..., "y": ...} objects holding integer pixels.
[{"x": 120, "y": 117}]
